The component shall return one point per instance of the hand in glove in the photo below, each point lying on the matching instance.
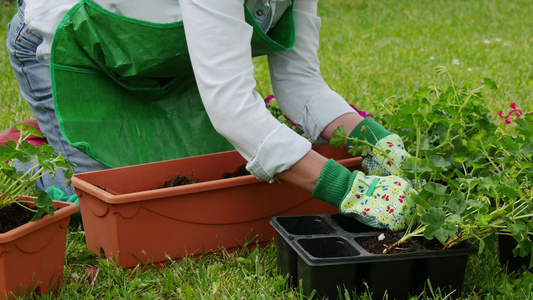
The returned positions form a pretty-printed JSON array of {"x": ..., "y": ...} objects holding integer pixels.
[
  {"x": 377, "y": 201},
  {"x": 388, "y": 152}
]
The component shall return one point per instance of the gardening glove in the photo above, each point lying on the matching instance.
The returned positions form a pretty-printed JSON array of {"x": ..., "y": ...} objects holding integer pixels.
[
  {"x": 372, "y": 166},
  {"x": 388, "y": 151},
  {"x": 377, "y": 201}
]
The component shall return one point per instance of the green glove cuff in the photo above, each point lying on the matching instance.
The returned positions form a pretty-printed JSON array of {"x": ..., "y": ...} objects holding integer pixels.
[
  {"x": 373, "y": 128},
  {"x": 334, "y": 183},
  {"x": 56, "y": 193}
]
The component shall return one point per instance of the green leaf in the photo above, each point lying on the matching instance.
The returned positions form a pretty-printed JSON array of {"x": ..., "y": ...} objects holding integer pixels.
[
  {"x": 507, "y": 191},
  {"x": 457, "y": 205},
  {"x": 523, "y": 248},
  {"x": 490, "y": 83},
  {"x": 416, "y": 199},
  {"x": 410, "y": 163},
  {"x": 481, "y": 246},
  {"x": 425, "y": 144},
  {"x": 460, "y": 159},
  {"x": 525, "y": 126},
  {"x": 213, "y": 269},
  {"x": 488, "y": 240},
  {"x": 434, "y": 217},
  {"x": 525, "y": 164},
  {"x": 338, "y": 137},
  {"x": 453, "y": 219},
  {"x": 439, "y": 163},
  {"x": 435, "y": 188},
  {"x": 44, "y": 204},
  {"x": 441, "y": 233},
  {"x": 7, "y": 153}
]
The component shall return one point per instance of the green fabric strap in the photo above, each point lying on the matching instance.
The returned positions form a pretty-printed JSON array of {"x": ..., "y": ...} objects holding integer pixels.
[
  {"x": 124, "y": 89},
  {"x": 334, "y": 183},
  {"x": 373, "y": 132},
  {"x": 372, "y": 187}
]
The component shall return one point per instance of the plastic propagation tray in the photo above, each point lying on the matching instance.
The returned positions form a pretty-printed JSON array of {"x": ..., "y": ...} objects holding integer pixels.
[{"x": 322, "y": 252}]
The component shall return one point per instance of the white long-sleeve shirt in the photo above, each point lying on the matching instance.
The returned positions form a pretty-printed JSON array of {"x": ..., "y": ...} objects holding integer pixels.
[{"x": 218, "y": 39}]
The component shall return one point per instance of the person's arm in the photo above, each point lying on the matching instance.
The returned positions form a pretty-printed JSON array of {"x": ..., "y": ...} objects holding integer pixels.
[
  {"x": 305, "y": 173},
  {"x": 297, "y": 81},
  {"x": 218, "y": 40}
]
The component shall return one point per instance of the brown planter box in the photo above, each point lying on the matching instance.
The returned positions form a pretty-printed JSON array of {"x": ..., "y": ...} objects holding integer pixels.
[
  {"x": 32, "y": 256},
  {"x": 126, "y": 218}
]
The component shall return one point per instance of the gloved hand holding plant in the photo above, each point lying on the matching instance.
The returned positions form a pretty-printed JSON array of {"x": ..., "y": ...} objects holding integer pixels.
[
  {"x": 387, "y": 150},
  {"x": 377, "y": 201}
]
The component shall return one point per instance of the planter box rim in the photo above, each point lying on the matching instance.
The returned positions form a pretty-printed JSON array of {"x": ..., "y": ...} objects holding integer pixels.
[
  {"x": 63, "y": 210},
  {"x": 148, "y": 195},
  {"x": 159, "y": 193}
]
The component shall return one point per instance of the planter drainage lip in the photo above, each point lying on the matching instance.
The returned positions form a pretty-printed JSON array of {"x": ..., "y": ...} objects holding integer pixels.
[
  {"x": 350, "y": 238},
  {"x": 62, "y": 210}
]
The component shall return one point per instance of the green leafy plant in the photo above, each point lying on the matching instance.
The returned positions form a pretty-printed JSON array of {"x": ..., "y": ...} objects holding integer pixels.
[
  {"x": 473, "y": 178},
  {"x": 15, "y": 183}
]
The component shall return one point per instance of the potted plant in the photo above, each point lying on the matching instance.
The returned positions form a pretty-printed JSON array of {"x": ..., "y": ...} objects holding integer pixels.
[
  {"x": 128, "y": 217},
  {"x": 473, "y": 179},
  {"x": 32, "y": 250}
]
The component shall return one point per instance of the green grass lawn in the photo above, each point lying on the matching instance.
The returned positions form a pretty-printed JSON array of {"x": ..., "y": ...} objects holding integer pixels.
[{"x": 371, "y": 50}]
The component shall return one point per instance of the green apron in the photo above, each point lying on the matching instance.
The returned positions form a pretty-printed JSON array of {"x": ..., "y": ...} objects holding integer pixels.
[{"x": 124, "y": 90}]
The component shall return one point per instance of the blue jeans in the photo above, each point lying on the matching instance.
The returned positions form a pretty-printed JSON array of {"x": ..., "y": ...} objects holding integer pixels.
[{"x": 36, "y": 88}]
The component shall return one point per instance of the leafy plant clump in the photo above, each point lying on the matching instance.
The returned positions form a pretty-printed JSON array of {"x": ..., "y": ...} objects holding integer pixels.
[
  {"x": 474, "y": 179},
  {"x": 15, "y": 183}
]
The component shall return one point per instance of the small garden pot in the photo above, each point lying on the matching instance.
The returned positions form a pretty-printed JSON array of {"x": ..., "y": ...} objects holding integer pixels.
[
  {"x": 323, "y": 252},
  {"x": 128, "y": 218},
  {"x": 32, "y": 256}
]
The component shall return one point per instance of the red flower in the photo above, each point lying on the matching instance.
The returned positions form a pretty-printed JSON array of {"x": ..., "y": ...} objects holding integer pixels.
[
  {"x": 516, "y": 112},
  {"x": 362, "y": 113},
  {"x": 267, "y": 99}
]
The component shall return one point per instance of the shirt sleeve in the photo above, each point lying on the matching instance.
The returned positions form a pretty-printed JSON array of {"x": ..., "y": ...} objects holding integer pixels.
[
  {"x": 218, "y": 39},
  {"x": 300, "y": 89}
]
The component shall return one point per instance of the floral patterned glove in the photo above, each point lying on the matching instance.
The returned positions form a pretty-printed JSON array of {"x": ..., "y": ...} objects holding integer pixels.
[
  {"x": 370, "y": 164},
  {"x": 388, "y": 152},
  {"x": 377, "y": 201}
]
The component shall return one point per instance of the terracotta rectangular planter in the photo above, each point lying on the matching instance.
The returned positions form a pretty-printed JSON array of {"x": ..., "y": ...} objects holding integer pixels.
[
  {"x": 322, "y": 252},
  {"x": 32, "y": 256},
  {"x": 127, "y": 218}
]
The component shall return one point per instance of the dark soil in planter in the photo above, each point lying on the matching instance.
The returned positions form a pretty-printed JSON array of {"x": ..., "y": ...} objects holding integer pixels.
[
  {"x": 241, "y": 171},
  {"x": 14, "y": 216},
  {"x": 184, "y": 180},
  {"x": 373, "y": 245},
  {"x": 179, "y": 180}
]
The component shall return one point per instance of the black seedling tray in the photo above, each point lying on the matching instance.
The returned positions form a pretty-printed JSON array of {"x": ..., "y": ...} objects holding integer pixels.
[{"x": 322, "y": 252}]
